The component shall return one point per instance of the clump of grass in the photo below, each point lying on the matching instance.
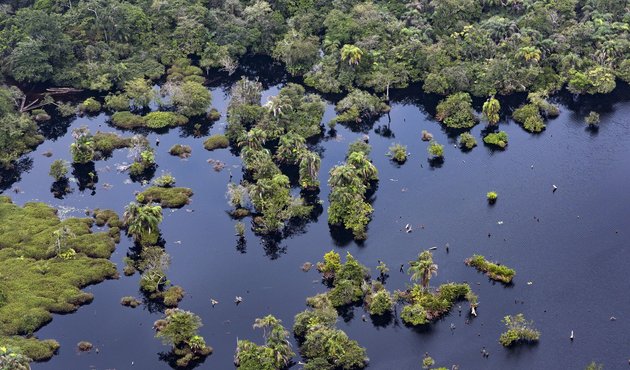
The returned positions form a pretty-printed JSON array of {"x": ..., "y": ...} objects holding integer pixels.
[
  {"x": 107, "y": 217},
  {"x": 519, "y": 331},
  {"x": 425, "y": 306},
  {"x": 129, "y": 301},
  {"x": 499, "y": 139},
  {"x": 494, "y": 271},
  {"x": 182, "y": 151},
  {"x": 165, "y": 181},
  {"x": 174, "y": 197},
  {"x": 213, "y": 115},
  {"x": 157, "y": 120},
  {"x": 45, "y": 262},
  {"x": 106, "y": 142},
  {"x": 173, "y": 295},
  {"x": 84, "y": 346},
  {"x": 398, "y": 153},
  {"x": 492, "y": 196},
  {"x": 216, "y": 142}
]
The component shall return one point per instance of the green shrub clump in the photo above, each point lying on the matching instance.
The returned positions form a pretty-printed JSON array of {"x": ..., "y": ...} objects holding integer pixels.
[
  {"x": 182, "y": 151},
  {"x": 127, "y": 120},
  {"x": 499, "y": 139},
  {"x": 398, "y": 153},
  {"x": 276, "y": 353},
  {"x": 357, "y": 106},
  {"x": 157, "y": 120},
  {"x": 106, "y": 142},
  {"x": 58, "y": 170},
  {"x": 466, "y": 140},
  {"x": 529, "y": 116},
  {"x": 592, "y": 119},
  {"x": 171, "y": 197},
  {"x": 90, "y": 105},
  {"x": 179, "y": 329},
  {"x": 492, "y": 196},
  {"x": 435, "y": 150},
  {"x": 216, "y": 142},
  {"x": 493, "y": 271},
  {"x": 519, "y": 330},
  {"x": 456, "y": 111}
]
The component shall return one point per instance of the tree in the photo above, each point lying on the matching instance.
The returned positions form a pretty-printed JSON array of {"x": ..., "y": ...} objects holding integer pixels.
[
  {"x": 423, "y": 268},
  {"x": 142, "y": 221},
  {"x": 491, "y": 110},
  {"x": 82, "y": 149},
  {"x": 140, "y": 92},
  {"x": 309, "y": 170},
  {"x": 58, "y": 169},
  {"x": 190, "y": 98},
  {"x": 352, "y": 54},
  {"x": 456, "y": 111},
  {"x": 435, "y": 150}
]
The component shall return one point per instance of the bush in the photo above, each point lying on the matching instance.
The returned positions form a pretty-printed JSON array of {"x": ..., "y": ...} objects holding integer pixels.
[
  {"x": 84, "y": 346},
  {"x": 492, "y": 196},
  {"x": 90, "y": 105},
  {"x": 494, "y": 271},
  {"x": 499, "y": 139},
  {"x": 519, "y": 330},
  {"x": 529, "y": 116},
  {"x": 435, "y": 150},
  {"x": 106, "y": 142},
  {"x": 132, "y": 302},
  {"x": 157, "y": 120},
  {"x": 592, "y": 119},
  {"x": 216, "y": 142},
  {"x": 58, "y": 169},
  {"x": 359, "y": 105},
  {"x": 182, "y": 151},
  {"x": 398, "y": 153},
  {"x": 117, "y": 102},
  {"x": 213, "y": 115},
  {"x": 466, "y": 140},
  {"x": 426, "y": 136},
  {"x": 173, "y": 296},
  {"x": 534, "y": 124},
  {"x": 127, "y": 120},
  {"x": 380, "y": 303},
  {"x": 165, "y": 181},
  {"x": 456, "y": 111}
]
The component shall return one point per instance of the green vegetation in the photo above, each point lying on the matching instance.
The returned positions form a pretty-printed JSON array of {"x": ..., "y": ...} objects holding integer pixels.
[
  {"x": 44, "y": 263},
  {"x": 499, "y": 139},
  {"x": 435, "y": 150},
  {"x": 492, "y": 196},
  {"x": 490, "y": 110},
  {"x": 519, "y": 330},
  {"x": 90, "y": 105},
  {"x": 349, "y": 183},
  {"x": 167, "y": 197},
  {"x": 276, "y": 353},
  {"x": 529, "y": 116},
  {"x": 398, "y": 153},
  {"x": 379, "y": 301},
  {"x": 456, "y": 111},
  {"x": 190, "y": 98},
  {"x": 427, "y": 362},
  {"x": 592, "y": 119},
  {"x": 358, "y": 106},
  {"x": 216, "y": 142},
  {"x": 321, "y": 344},
  {"x": 466, "y": 140},
  {"x": 494, "y": 271},
  {"x": 594, "y": 366},
  {"x": 106, "y": 142},
  {"x": 127, "y": 120},
  {"x": 82, "y": 149},
  {"x": 182, "y": 151},
  {"x": 143, "y": 157},
  {"x": 58, "y": 170},
  {"x": 10, "y": 360},
  {"x": 132, "y": 302},
  {"x": 165, "y": 181},
  {"x": 179, "y": 329},
  {"x": 157, "y": 120},
  {"x": 142, "y": 221}
]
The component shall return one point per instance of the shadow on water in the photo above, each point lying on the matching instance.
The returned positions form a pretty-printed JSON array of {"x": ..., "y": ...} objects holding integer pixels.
[{"x": 8, "y": 177}]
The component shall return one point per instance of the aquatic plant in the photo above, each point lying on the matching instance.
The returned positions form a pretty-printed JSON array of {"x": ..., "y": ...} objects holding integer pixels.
[
  {"x": 466, "y": 140},
  {"x": 82, "y": 149},
  {"x": 529, "y": 116},
  {"x": 592, "y": 119},
  {"x": 129, "y": 301},
  {"x": 166, "y": 180},
  {"x": 490, "y": 110},
  {"x": 519, "y": 330},
  {"x": 425, "y": 306},
  {"x": 426, "y": 136},
  {"x": 357, "y": 106},
  {"x": 216, "y": 142},
  {"x": 492, "y": 196},
  {"x": 182, "y": 151},
  {"x": 435, "y": 150},
  {"x": 398, "y": 153},
  {"x": 379, "y": 301},
  {"x": 493, "y": 271},
  {"x": 423, "y": 268},
  {"x": 499, "y": 139},
  {"x": 127, "y": 120},
  {"x": 58, "y": 170},
  {"x": 90, "y": 105},
  {"x": 142, "y": 221}
]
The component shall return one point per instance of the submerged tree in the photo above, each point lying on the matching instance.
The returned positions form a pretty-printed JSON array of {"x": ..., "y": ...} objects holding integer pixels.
[
  {"x": 142, "y": 222},
  {"x": 179, "y": 329},
  {"x": 491, "y": 110},
  {"x": 276, "y": 353},
  {"x": 423, "y": 268}
]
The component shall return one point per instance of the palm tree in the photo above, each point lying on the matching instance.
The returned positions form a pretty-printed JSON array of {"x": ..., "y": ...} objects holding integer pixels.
[
  {"x": 530, "y": 53},
  {"x": 291, "y": 148},
  {"x": 142, "y": 220},
  {"x": 309, "y": 169},
  {"x": 253, "y": 139},
  {"x": 277, "y": 104},
  {"x": 422, "y": 269},
  {"x": 344, "y": 176},
  {"x": 351, "y": 53},
  {"x": 364, "y": 168},
  {"x": 491, "y": 109},
  {"x": 276, "y": 339}
]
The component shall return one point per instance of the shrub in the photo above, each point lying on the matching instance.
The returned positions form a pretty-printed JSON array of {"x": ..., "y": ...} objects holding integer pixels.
[
  {"x": 58, "y": 169},
  {"x": 592, "y": 119},
  {"x": 84, "y": 346},
  {"x": 456, "y": 111},
  {"x": 182, "y": 151},
  {"x": 117, "y": 102},
  {"x": 106, "y": 142},
  {"x": 216, "y": 142},
  {"x": 213, "y": 115},
  {"x": 359, "y": 145},
  {"x": 529, "y": 116},
  {"x": 40, "y": 115},
  {"x": 132, "y": 302},
  {"x": 165, "y": 181},
  {"x": 157, "y": 120},
  {"x": 380, "y": 303},
  {"x": 426, "y": 136},
  {"x": 466, "y": 140},
  {"x": 493, "y": 271},
  {"x": 534, "y": 124},
  {"x": 359, "y": 105},
  {"x": 127, "y": 120},
  {"x": 499, "y": 139},
  {"x": 173, "y": 295},
  {"x": 518, "y": 330},
  {"x": 492, "y": 196},
  {"x": 398, "y": 153},
  {"x": 435, "y": 150},
  {"x": 90, "y": 105}
]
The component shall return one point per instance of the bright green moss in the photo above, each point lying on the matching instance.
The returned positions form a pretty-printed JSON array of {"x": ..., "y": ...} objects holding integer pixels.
[
  {"x": 167, "y": 197},
  {"x": 44, "y": 263}
]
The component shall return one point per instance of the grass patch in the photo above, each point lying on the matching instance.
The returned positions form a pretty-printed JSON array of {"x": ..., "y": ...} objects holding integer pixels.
[
  {"x": 44, "y": 263},
  {"x": 494, "y": 271},
  {"x": 166, "y": 197},
  {"x": 216, "y": 142}
]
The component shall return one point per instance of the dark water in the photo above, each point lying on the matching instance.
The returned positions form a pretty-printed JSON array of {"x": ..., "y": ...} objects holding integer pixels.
[{"x": 575, "y": 257}]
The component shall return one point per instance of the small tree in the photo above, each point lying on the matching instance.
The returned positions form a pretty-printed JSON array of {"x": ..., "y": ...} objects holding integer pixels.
[
  {"x": 435, "y": 150},
  {"x": 398, "y": 153},
  {"x": 82, "y": 149},
  {"x": 466, "y": 140},
  {"x": 518, "y": 330},
  {"x": 491, "y": 110},
  {"x": 592, "y": 119},
  {"x": 423, "y": 268},
  {"x": 58, "y": 170}
]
